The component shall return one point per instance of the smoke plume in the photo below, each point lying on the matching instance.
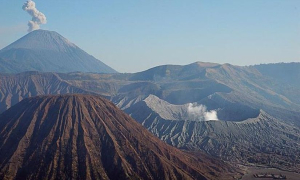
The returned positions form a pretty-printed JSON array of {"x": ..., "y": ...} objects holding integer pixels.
[
  {"x": 200, "y": 113},
  {"x": 38, "y": 18}
]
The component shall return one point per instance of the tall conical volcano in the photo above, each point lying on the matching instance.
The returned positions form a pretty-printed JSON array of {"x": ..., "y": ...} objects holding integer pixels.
[
  {"x": 87, "y": 137},
  {"x": 48, "y": 51}
]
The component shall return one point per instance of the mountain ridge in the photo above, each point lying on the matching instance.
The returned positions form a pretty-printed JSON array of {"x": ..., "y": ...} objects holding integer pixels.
[{"x": 16, "y": 87}]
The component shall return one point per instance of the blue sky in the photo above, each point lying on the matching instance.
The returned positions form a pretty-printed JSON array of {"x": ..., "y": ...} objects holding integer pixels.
[{"x": 135, "y": 35}]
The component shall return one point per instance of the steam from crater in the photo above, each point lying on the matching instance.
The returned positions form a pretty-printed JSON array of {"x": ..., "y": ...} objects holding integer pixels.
[
  {"x": 38, "y": 18},
  {"x": 200, "y": 113}
]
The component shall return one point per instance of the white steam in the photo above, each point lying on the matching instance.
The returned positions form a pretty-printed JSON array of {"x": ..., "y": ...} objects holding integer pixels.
[
  {"x": 38, "y": 18},
  {"x": 200, "y": 113}
]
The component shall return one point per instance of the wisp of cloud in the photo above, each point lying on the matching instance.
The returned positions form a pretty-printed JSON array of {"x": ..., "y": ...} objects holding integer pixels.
[
  {"x": 38, "y": 18},
  {"x": 200, "y": 113}
]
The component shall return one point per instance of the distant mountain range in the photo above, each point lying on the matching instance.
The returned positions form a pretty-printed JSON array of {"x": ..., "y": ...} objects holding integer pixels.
[
  {"x": 255, "y": 109},
  {"x": 48, "y": 51},
  {"x": 258, "y": 110},
  {"x": 87, "y": 137},
  {"x": 238, "y": 94}
]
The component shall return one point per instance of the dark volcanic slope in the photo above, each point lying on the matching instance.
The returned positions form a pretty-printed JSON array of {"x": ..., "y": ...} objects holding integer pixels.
[
  {"x": 87, "y": 137},
  {"x": 14, "y": 88},
  {"x": 48, "y": 51}
]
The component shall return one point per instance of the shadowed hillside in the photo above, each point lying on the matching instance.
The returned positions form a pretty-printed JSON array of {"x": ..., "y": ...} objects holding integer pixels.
[{"x": 15, "y": 88}]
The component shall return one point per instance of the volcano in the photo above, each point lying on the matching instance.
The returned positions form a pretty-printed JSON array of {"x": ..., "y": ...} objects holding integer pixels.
[
  {"x": 48, "y": 51},
  {"x": 87, "y": 137}
]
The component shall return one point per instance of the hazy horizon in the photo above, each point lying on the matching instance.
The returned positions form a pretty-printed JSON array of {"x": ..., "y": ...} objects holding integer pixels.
[{"x": 124, "y": 34}]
